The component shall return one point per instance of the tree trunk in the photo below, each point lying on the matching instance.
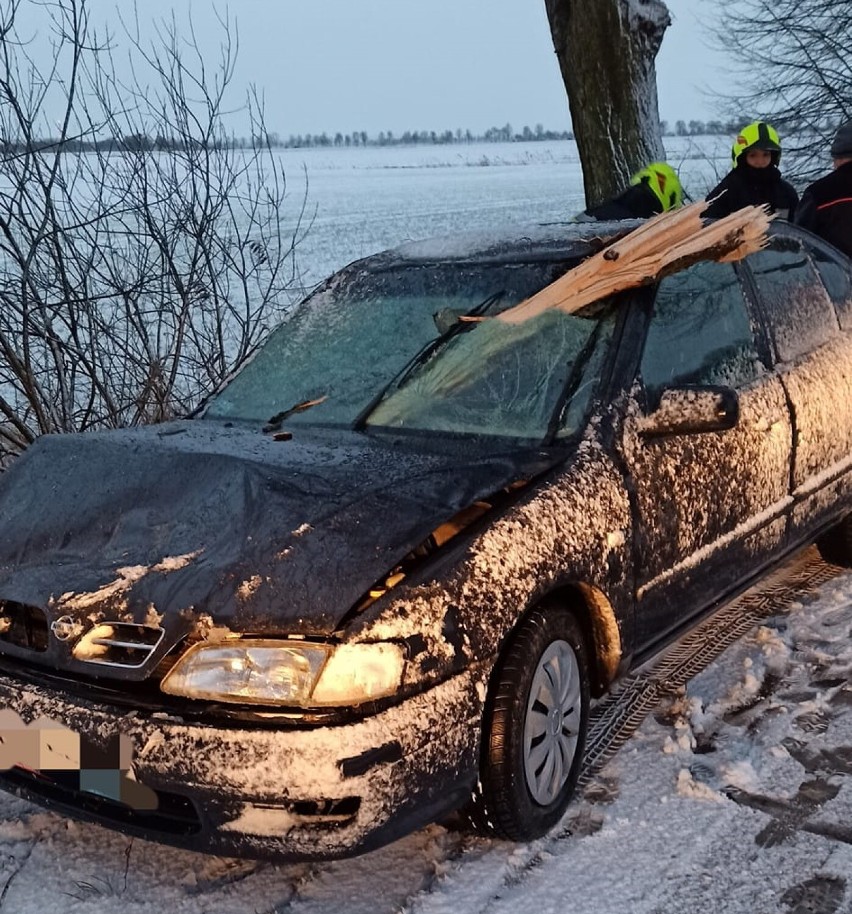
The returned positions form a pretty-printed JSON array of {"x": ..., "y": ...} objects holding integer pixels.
[{"x": 606, "y": 51}]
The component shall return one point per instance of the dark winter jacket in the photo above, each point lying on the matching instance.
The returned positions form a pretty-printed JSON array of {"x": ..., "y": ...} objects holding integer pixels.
[
  {"x": 826, "y": 208},
  {"x": 747, "y": 186},
  {"x": 637, "y": 202}
]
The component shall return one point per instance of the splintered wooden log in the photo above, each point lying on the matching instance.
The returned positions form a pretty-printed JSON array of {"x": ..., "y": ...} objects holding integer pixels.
[{"x": 663, "y": 245}]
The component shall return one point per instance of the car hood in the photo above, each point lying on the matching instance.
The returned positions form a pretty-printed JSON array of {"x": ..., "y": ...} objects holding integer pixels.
[{"x": 195, "y": 521}]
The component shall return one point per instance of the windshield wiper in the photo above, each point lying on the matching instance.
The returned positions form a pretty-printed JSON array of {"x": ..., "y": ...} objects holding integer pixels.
[
  {"x": 572, "y": 384},
  {"x": 453, "y": 329},
  {"x": 274, "y": 423}
]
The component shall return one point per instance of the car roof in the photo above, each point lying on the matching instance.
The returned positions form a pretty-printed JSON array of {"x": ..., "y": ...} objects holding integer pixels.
[
  {"x": 524, "y": 242},
  {"x": 516, "y": 243}
]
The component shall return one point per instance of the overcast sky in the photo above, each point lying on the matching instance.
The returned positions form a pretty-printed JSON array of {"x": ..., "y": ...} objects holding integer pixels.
[{"x": 344, "y": 65}]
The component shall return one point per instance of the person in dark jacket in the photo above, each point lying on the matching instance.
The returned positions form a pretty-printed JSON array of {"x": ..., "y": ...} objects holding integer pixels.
[
  {"x": 755, "y": 178},
  {"x": 826, "y": 207},
  {"x": 652, "y": 190}
]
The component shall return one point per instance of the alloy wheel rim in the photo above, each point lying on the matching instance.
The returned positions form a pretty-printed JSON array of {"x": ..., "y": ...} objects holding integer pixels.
[{"x": 552, "y": 722}]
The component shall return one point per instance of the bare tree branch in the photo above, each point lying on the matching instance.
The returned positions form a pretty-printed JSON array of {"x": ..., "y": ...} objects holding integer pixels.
[
  {"x": 792, "y": 66},
  {"x": 142, "y": 254}
]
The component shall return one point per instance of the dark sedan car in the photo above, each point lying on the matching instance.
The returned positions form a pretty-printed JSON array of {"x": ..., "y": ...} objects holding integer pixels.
[{"x": 381, "y": 574}]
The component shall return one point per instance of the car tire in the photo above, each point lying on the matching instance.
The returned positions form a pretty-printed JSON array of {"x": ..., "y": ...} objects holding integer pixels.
[
  {"x": 534, "y": 728},
  {"x": 835, "y": 545}
]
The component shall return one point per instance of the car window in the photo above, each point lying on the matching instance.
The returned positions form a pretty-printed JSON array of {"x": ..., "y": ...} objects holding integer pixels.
[
  {"x": 836, "y": 276},
  {"x": 800, "y": 313},
  {"x": 584, "y": 387},
  {"x": 700, "y": 332}
]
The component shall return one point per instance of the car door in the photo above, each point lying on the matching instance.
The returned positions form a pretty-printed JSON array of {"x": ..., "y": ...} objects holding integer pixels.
[
  {"x": 710, "y": 502},
  {"x": 814, "y": 361}
]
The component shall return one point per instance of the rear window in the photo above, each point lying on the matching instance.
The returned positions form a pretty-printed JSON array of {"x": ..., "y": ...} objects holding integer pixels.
[
  {"x": 800, "y": 313},
  {"x": 837, "y": 278}
]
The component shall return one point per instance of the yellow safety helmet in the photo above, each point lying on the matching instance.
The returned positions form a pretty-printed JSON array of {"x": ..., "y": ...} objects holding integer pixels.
[
  {"x": 663, "y": 181},
  {"x": 758, "y": 135}
]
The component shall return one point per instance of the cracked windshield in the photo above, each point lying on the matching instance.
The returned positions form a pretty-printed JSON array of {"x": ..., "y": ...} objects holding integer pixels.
[{"x": 416, "y": 347}]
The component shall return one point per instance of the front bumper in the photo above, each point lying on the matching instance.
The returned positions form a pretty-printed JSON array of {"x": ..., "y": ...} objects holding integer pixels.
[{"x": 286, "y": 794}]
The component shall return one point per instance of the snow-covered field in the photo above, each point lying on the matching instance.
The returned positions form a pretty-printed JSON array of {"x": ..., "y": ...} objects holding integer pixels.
[
  {"x": 363, "y": 200},
  {"x": 731, "y": 797}
]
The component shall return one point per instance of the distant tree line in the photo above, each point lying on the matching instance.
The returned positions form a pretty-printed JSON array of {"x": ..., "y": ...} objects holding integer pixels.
[
  {"x": 504, "y": 134},
  {"x": 138, "y": 142}
]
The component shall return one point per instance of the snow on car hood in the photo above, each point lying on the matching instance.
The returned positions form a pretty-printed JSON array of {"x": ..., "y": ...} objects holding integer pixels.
[{"x": 197, "y": 520}]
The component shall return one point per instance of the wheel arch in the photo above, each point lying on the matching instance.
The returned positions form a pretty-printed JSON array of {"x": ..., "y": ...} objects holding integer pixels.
[{"x": 599, "y": 622}]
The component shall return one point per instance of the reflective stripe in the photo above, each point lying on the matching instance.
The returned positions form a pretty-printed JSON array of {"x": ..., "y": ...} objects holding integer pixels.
[{"x": 834, "y": 202}]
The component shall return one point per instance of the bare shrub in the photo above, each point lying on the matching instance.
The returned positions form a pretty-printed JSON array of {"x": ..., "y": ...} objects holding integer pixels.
[{"x": 142, "y": 251}]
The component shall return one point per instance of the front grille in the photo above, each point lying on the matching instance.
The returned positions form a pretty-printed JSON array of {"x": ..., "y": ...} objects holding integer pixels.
[
  {"x": 122, "y": 644},
  {"x": 175, "y": 814},
  {"x": 305, "y": 815},
  {"x": 325, "y": 812},
  {"x": 23, "y": 625}
]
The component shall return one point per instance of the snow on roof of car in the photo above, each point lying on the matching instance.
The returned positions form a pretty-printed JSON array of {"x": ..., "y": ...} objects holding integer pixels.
[{"x": 549, "y": 239}]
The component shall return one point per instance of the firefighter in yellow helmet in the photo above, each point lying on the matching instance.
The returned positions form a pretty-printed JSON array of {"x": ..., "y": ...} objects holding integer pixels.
[
  {"x": 653, "y": 189},
  {"x": 755, "y": 178}
]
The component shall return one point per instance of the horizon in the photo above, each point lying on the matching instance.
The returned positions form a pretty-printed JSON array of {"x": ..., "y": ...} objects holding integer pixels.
[{"x": 494, "y": 134}]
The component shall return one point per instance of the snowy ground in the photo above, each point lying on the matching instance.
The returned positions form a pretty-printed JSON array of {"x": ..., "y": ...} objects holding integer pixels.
[{"x": 732, "y": 796}]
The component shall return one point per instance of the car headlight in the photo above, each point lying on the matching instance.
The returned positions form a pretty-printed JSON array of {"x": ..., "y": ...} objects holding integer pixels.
[{"x": 287, "y": 673}]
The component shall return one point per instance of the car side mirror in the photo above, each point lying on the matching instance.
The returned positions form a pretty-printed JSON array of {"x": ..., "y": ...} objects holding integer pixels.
[{"x": 692, "y": 410}]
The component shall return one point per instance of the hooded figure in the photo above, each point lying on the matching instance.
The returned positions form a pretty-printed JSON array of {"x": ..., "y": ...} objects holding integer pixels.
[
  {"x": 652, "y": 190},
  {"x": 826, "y": 207},
  {"x": 755, "y": 178}
]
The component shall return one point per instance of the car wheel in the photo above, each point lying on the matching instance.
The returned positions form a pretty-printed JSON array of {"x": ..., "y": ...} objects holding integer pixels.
[
  {"x": 534, "y": 729},
  {"x": 835, "y": 545}
]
